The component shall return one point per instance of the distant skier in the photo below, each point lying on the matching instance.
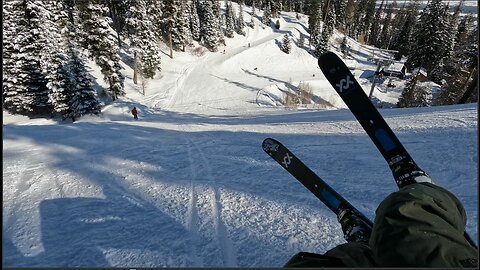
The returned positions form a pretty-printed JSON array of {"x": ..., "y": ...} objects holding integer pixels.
[
  {"x": 421, "y": 225},
  {"x": 135, "y": 113}
]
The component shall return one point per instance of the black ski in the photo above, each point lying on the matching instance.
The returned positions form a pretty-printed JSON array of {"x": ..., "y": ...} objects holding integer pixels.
[
  {"x": 404, "y": 169},
  {"x": 355, "y": 225},
  {"x": 397, "y": 157}
]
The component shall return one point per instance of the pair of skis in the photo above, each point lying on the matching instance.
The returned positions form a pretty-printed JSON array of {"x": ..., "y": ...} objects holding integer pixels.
[{"x": 356, "y": 227}]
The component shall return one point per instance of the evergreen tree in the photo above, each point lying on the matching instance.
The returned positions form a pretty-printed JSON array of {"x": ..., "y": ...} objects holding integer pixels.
[
  {"x": 184, "y": 24},
  {"x": 267, "y": 14},
  {"x": 84, "y": 99},
  {"x": 431, "y": 37},
  {"x": 314, "y": 23},
  {"x": 275, "y": 7},
  {"x": 375, "y": 28},
  {"x": 286, "y": 44},
  {"x": 54, "y": 59},
  {"x": 24, "y": 84},
  {"x": 330, "y": 22},
  {"x": 404, "y": 39},
  {"x": 386, "y": 35},
  {"x": 349, "y": 16},
  {"x": 229, "y": 20},
  {"x": 415, "y": 95},
  {"x": 368, "y": 19},
  {"x": 209, "y": 24},
  {"x": 194, "y": 21},
  {"x": 358, "y": 21},
  {"x": 100, "y": 44},
  {"x": 464, "y": 27},
  {"x": 174, "y": 20},
  {"x": 155, "y": 13},
  {"x": 459, "y": 71},
  {"x": 241, "y": 22},
  {"x": 322, "y": 46},
  {"x": 340, "y": 9},
  {"x": 117, "y": 12},
  {"x": 142, "y": 40},
  {"x": 301, "y": 41},
  {"x": 13, "y": 79}
]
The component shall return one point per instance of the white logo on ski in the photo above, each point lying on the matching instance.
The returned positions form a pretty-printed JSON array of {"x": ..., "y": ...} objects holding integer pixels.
[
  {"x": 287, "y": 160},
  {"x": 347, "y": 83}
]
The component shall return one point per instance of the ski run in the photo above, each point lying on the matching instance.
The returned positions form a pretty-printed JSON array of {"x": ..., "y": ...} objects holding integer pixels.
[{"x": 188, "y": 184}]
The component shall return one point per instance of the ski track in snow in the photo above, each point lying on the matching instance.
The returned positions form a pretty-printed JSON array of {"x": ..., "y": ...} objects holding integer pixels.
[{"x": 224, "y": 242}]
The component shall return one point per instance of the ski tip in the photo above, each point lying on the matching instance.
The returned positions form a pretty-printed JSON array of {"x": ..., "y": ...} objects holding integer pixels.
[
  {"x": 327, "y": 59},
  {"x": 328, "y": 56},
  {"x": 270, "y": 145}
]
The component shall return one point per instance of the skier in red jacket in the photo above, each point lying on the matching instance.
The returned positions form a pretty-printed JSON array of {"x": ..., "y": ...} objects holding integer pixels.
[{"x": 135, "y": 113}]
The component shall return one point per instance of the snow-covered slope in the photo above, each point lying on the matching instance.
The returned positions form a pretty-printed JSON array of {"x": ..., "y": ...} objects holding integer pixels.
[{"x": 188, "y": 185}]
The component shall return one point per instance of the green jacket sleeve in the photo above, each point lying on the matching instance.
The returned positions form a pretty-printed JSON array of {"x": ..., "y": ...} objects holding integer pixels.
[{"x": 421, "y": 225}]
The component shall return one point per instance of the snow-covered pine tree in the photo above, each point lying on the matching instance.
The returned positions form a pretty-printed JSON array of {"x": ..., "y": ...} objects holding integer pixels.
[
  {"x": 300, "y": 6},
  {"x": 374, "y": 34},
  {"x": 240, "y": 22},
  {"x": 54, "y": 59},
  {"x": 24, "y": 84},
  {"x": 465, "y": 25},
  {"x": 14, "y": 77},
  {"x": 267, "y": 14},
  {"x": 173, "y": 14},
  {"x": 358, "y": 22},
  {"x": 404, "y": 37},
  {"x": 301, "y": 41},
  {"x": 286, "y": 44},
  {"x": 385, "y": 34},
  {"x": 229, "y": 20},
  {"x": 289, "y": 5},
  {"x": 322, "y": 45},
  {"x": 448, "y": 33},
  {"x": 368, "y": 19},
  {"x": 431, "y": 37},
  {"x": 340, "y": 8},
  {"x": 349, "y": 16},
  {"x": 209, "y": 24},
  {"x": 117, "y": 12},
  {"x": 454, "y": 22},
  {"x": 275, "y": 8},
  {"x": 143, "y": 42},
  {"x": 216, "y": 8},
  {"x": 84, "y": 99},
  {"x": 414, "y": 95},
  {"x": 194, "y": 21},
  {"x": 459, "y": 70},
  {"x": 330, "y": 21},
  {"x": 314, "y": 23},
  {"x": 101, "y": 45},
  {"x": 155, "y": 13},
  {"x": 185, "y": 24}
]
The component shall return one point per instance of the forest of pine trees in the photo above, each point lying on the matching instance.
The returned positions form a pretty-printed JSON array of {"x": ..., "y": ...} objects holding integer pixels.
[{"x": 47, "y": 43}]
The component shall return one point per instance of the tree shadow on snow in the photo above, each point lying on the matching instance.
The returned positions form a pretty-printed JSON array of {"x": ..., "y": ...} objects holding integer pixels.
[{"x": 130, "y": 226}]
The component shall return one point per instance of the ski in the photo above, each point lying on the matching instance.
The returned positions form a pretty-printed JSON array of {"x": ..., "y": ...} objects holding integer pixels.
[
  {"x": 404, "y": 169},
  {"x": 356, "y": 226}
]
